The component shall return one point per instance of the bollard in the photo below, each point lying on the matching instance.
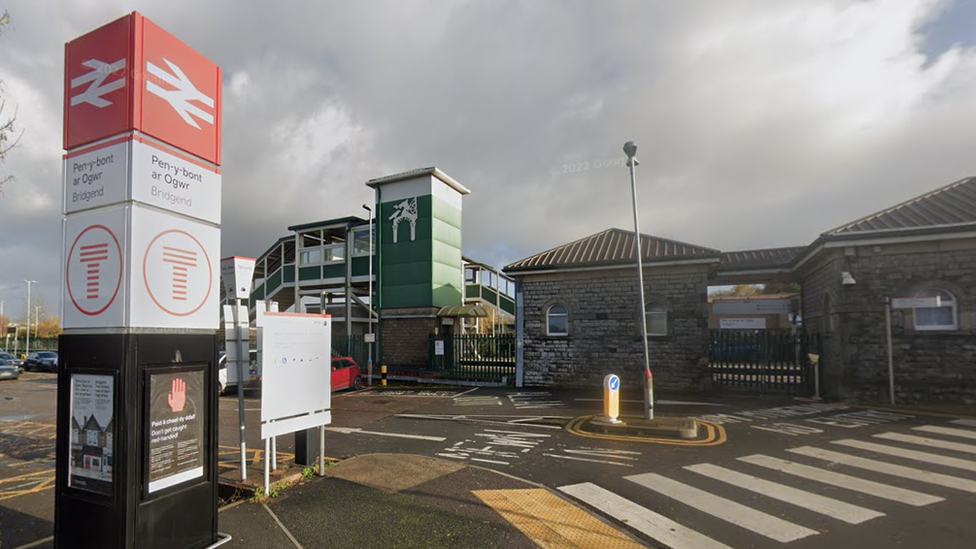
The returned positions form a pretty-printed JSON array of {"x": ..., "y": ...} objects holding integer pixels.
[
  {"x": 383, "y": 375},
  {"x": 611, "y": 398}
]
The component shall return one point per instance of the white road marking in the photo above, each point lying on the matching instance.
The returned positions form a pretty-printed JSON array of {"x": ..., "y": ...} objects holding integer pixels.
[
  {"x": 664, "y": 402},
  {"x": 965, "y": 422},
  {"x": 606, "y": 452},
  {"x": 910, "y": 454},
  {"x": 353, "y": 431},
  {"x": 605, "y": 462},
  {"x": 725, "y": 509},
  {"x": 656, "y": 526},
  {"x": 887, "y": 468},
  {"x": 477, "y": 401},
  {"x": 490, "y": 461},
  {"x": 930, "y": 442},
  {"x": 841, "y": 480},
  {"x": 962, "y": 433},
  {"x": 851, "y": 514}
]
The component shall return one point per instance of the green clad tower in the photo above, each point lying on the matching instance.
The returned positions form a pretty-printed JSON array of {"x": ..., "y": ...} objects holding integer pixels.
[{"x": 419, "y": 259}]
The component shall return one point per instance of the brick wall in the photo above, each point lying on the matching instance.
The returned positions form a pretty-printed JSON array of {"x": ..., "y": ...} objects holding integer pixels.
[
  {"x": 928, "y": 366},
  {"x": 604, "y": 334},
  {"x": 406, "y": 340}
]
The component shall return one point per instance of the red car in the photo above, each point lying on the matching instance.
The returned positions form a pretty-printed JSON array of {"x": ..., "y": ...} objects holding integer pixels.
[{"x": 345, "y": 374}]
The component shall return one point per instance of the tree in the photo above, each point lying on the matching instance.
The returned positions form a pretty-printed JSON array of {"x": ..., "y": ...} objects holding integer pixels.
[
  {"x": 8, "y": 139},
  {"x": 739, "y": 290},
  {"x": 48, "y": 328},
  {"x": 781, "y": 288}
]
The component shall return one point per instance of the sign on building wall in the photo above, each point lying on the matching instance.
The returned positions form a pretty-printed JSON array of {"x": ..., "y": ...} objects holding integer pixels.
[
  {"x": 751, "y": 307},
  {"x": 742, "y": 323}
]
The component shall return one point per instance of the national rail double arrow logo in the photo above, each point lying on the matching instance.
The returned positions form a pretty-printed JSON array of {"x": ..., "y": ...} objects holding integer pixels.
[
  {"x": 180, "y": 98},
  {"x": 94, "y": 93}
]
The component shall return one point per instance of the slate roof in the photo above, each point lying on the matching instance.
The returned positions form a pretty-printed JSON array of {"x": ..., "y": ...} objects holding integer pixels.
[
  {"x": 769, "y": 258},
  {"x": 611, "y": 247},
  {"x": 952, "y": 204}
]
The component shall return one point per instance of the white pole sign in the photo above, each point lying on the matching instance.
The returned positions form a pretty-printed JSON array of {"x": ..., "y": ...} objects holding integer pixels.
[
  {"x": 93, "y": 293},
  {"x": 296, "y": 368},
  {"x": 98, "y": 177},
  {"x": 174, "y": 272},
  {"x": 173, "y": 182},
  {"x": 237, "y": 273},
  {"x": 915, "y": 302}
]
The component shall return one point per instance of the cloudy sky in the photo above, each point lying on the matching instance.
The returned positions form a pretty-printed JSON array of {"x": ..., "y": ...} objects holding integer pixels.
[{"x": 759, "y": 123}]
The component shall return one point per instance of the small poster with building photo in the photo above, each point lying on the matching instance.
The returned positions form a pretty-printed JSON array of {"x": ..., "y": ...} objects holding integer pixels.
[
  {"x": 92, "y": 445},
  {"x": 176, "y": 419}
]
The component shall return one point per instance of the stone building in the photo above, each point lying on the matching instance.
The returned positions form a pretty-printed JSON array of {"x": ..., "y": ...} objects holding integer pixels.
[
  {"x": 580, "y": 311},
  {"x": 580, "y": 314}
]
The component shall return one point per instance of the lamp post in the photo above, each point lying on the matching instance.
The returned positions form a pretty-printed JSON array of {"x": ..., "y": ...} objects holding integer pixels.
[
  {"x": 630, "y": 149},
  {"x": 369, "y": 312},
  {"x": 27, "y": 344}
]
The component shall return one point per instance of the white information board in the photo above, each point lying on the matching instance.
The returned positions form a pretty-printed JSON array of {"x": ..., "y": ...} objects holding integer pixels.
[
  {"x": 742, "y": 323},
  {"x": 175, "y": 183},
  {"x": 296, "y": 387},
  {"x": 915, "y": 302},
  {"x": 751, "y": 307}
]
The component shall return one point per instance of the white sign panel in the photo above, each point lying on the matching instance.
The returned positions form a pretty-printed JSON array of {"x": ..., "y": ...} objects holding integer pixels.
[
  {"x": 96, "y": 178},
  {"x": 174, "y": 272},
  {"x": 742, "y": 323},
  {"x": 175, "y": 183},
  {"x": 751, "y": 307},
  {"x": 93, "y": 291},
  {"x": 232, "y": 345},
  {"x": 295, "y": 390},
  {"x": 915, "y": 302},
  {"x": 237, "y": 274}
]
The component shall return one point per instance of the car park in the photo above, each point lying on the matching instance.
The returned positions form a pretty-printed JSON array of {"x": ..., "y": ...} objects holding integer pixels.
[{"x": 43, "y": 361}]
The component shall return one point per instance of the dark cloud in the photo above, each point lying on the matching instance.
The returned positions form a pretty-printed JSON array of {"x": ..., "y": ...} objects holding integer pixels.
[{"x": 759, "y": 123}]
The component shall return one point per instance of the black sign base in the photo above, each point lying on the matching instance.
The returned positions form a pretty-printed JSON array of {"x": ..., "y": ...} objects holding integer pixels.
[{"x": 137, "y": 442}]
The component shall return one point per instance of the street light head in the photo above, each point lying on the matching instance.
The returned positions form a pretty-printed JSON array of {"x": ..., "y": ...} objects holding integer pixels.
[
  {"x": 367, "y": 208},
  {"x": 630, "y": 149}
]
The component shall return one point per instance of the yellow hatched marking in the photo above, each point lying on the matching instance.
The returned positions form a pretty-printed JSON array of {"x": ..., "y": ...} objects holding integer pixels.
[
  {"x": 552, "y": 522},
  {"x": 44, "y": 480}
]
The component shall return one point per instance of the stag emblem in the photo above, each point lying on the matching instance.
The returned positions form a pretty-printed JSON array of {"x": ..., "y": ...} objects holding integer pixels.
[{"x": 406, "y": 210}]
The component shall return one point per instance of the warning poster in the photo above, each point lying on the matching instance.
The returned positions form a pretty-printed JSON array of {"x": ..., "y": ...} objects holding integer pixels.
[
  {"x": 176, "y": 408},
  {"x": 91, "y": 461}
]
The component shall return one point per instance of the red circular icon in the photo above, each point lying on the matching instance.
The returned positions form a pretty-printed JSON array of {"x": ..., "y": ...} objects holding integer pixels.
[
  {"x": 99, "y": 257},
  {"x": 173, "y": 272}
]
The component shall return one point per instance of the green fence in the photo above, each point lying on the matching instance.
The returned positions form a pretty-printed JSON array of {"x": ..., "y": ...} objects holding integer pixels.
[
  {"x": 474, "y": 357},
  {"x": 765, "y": 360},
  {"x": 352, "y": 346},
  {"x": 20, "y": 344}
]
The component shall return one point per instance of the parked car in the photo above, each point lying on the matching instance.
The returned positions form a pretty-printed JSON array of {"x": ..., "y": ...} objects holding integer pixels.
[
  {"x": 9, "y": 358},
  {"x": 345, "y": 374},
  {"x": 9, "y": 371},
  {"x": 222, "y": 385},
  {"x": 44, "y": 361}
]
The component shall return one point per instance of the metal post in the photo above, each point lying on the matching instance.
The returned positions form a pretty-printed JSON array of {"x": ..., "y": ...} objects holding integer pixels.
[
  {"x": 27, "y": 344},
  {"x": 630, "y": 148},
  {"x": 321, "y": 450},
  {"x": 274, "y": 453},
  {"x": 891, "y": 356},
  {"x": 369, "y": 315},
  {"x": 267, "y": 463},
  {"x": 242, "y": 355}
]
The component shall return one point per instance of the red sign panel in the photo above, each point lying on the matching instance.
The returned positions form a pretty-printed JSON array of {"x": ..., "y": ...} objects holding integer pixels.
[
  {"x": 98, "y": 84},
  {"x": 152, "y": 82}
]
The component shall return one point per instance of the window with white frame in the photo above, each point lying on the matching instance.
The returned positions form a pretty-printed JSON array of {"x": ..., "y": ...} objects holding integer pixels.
[
  {"x": 943, "y": 317},
  {"x": 657, "y": 318},
  {"x": 557, "y": 321},
  {"x": 360, "y": 241}
]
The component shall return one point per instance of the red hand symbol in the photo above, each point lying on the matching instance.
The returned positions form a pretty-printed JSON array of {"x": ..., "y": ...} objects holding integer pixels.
[{"x": 177, "y": 397}]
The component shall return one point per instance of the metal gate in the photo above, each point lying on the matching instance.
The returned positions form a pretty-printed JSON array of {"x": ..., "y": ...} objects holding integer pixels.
[
  {"x": 763, "y": 361},
  {"x": 473, "y": 357}
]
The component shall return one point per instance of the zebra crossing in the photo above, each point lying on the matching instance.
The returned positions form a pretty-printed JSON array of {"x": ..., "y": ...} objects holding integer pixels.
[{"x": 888, "y": 458}]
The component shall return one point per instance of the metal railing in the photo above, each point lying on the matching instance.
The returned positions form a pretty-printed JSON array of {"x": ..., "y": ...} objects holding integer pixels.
[
  {"x": 766, "y": 360},
  {"x": 474, "y": 357}
]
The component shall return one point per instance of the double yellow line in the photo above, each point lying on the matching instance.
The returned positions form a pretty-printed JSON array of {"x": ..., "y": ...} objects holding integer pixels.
[{"x": 714, "y": 435}]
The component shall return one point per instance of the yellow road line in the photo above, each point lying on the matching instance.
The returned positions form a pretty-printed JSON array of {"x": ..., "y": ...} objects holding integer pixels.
[
  {"x": 715, "y": 435},
  {"x": 552, "y": 522}
]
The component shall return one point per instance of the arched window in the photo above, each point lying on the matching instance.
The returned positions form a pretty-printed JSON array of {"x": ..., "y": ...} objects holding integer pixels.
[
  {"x": 557, "y": 321},
  {"x": 942, "y": 317},
  {"x": 657, "y": 318}
]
